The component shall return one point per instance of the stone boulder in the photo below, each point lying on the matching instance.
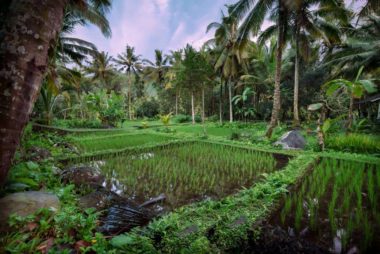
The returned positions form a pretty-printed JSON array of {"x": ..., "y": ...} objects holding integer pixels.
[
  {"x": 24, "y": 204},
  {"x": 292, "y": 140},
  {"x": 82, "y": 175}
]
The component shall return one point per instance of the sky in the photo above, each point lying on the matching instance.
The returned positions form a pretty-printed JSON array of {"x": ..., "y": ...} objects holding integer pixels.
[
  {"x": 155, "y": 24},
  {"x": 159, "y": 24}
]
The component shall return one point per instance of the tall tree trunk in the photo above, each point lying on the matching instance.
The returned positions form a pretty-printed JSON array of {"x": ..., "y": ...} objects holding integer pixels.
[
  {"x": 192, "y": 107},
  {"x": 130, "y": 96},
  {"x": 350, "y": 113},
  {"x": 230, "y": 100},
  {"x": 221, "y": 103},
  {"x": 28, "y": 31},
  {"x": 203, "y": 104},
  {"x": 176, "y": 102},
  {"x": 277, "y": 80},
  {"x": 296, "y": 118}
]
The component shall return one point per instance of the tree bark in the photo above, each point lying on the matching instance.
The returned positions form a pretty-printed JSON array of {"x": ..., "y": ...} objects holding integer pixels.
[
  {"x": 230, "y": 100},
  {"x": 221, "y": 103},
  {"x": 176, "y": 102},
  {"x": 296, "y": 118},
  {"x": 28, "y": 34},
  {"x": 277, "y": 81},
  {"x": 192, "y": 107},
  {"x": 129, "y": 96},
  {"x": 350, "y": 113},
  {"x": 203, "y": 105}
]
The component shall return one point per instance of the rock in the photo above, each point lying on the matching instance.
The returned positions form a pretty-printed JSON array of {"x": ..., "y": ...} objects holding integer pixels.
[
  {"x": 25, "y": 203},
  {"x": 38, "y": 154},
  {"x": 292, "y": 140},
  {"x": 82, "y": 175}
]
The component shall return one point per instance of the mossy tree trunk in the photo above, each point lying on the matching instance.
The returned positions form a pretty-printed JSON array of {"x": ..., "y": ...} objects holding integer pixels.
[
  {"x": 277, "y": 80},
  {"x": 28, "y": 34}
]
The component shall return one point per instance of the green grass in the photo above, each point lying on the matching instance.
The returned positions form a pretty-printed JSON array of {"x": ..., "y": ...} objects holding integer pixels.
[
  {"x": 109, "y": 141},
  {"x": 356, "y": 143}
]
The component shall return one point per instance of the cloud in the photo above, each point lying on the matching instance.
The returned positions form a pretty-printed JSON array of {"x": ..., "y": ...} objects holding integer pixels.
[{"x": 155, "y": 24}]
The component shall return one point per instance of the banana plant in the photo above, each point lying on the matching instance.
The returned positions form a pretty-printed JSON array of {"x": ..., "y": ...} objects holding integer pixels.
[
  {"x": 165, "y": 119},
  {"x": 244, "y": 110},
  {"x": 356, "y": 89}
]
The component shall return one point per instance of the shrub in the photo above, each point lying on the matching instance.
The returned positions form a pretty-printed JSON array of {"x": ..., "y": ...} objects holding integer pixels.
[
  {"x": 357, "y": 143},
  {"x": 235, "y": 136},
  {"x": 79, "y": 123},
  {"x": 213, "y": 118},
  {"x": 198, "y": 119},
  {"x": 108, "y": 107},
  {"x": 147, "y": 108},
  {"x": 182, "y": 118}
]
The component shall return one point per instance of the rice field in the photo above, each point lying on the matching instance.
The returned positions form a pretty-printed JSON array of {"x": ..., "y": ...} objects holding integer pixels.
[
  {"x": 337, "y": 206},
  {"x": 186, "y": 173},
  {"x": 117, "y": 141}
]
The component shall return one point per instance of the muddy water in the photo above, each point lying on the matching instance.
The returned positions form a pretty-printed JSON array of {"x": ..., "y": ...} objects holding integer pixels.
[
  {"x": 336, "y": 209},
  {"x": 188, "y": 173}
]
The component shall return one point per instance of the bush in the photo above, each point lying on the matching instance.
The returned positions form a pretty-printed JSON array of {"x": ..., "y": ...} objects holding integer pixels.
[
  {"x": 198, "y": 119},
  {"x": 108, "y": 107},
  {"x": 79, "y": 123},
  {"x": 213, "y": 118},
  {"x": 356, "y": 143},
  {"x": 182, "y": 118},
  {"x": 235, "y": 136},
  {"x": 147, "y": 108}
]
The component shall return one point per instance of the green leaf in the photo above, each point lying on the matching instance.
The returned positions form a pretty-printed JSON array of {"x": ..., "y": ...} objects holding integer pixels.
[
  {"x": 368, "y": 85},
  {"x": 333, "y": 88},
  {"x": 26, "y": 181},
  {"x": 357, "y": 91},
  {"x": 326, "y": 126},
  {"x": 32, "y": 165},
  {"x": 315, "y": 106}
]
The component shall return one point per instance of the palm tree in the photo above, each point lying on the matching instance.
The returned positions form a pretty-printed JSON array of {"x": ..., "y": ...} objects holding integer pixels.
[
  {"x": 18, "y": 93},
  {"x": 229, "y": 59},
  {"x": 175, "y": 60},
  {"x": 361, "y": 48},
  {"x": 309, "y": 21},
  {"x": 131, "y": 64},
  {"x": 355, "y": 89},
  {"x": 101, "y": 68},
  {"x": 253, "y": 13},
  {"x": 156, "y": 71}
]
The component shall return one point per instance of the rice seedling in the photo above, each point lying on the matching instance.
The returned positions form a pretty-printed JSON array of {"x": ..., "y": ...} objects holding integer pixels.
[
  {"x": 119, "y": 141},
  {"x": 187, "y": 172},
  {"x": 342, "y": 198}
]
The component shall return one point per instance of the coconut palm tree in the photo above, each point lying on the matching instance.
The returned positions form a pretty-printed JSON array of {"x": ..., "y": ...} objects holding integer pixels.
[
  {"x": 156, "y": 71},
  {"x": 175, "y": 60},
  {"x": 309, "y": 21},
  {"x": 18, "y": 93},
  {"x": 361, "y": 48},
  {"x": 252, "y": 13},
  {"x": 230, "y": 51},
  {"x": 355, "y": 89},
  {"x": 131, "y": 64},
  {"x": 101, "y": 68}
]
